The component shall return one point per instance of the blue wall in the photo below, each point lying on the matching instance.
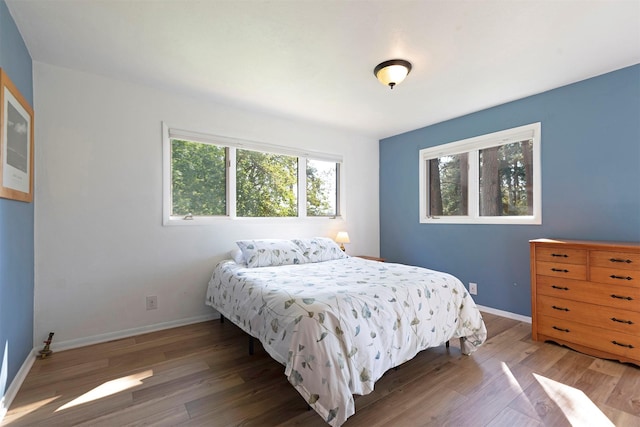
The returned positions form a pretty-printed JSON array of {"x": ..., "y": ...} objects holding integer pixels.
[
  {"x": 16, "y": 228},
  {"x": 590, "y": 186}
]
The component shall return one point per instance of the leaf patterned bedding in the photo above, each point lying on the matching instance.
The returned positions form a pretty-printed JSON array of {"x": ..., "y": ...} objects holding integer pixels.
[{"x": 339, "y": 325}]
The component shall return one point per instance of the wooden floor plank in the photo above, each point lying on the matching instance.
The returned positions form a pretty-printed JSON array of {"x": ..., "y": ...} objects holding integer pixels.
[
  {"x": 596, "y": 385},
  {"x": 510, "y": 417},
  {"x": 626, "y": 395},
  {"x": 155, "y": 413},
  {"x": 202, "y": 375}
]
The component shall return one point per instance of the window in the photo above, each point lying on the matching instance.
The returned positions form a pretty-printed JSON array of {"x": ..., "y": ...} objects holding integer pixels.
[
  {"x": 266, "y": 184},
  {"x": 490, "y": 179},
  {"x": 208, "y": 177},
  {"x": 198, "y": 179},
  {"x": 322, "y": 188}
]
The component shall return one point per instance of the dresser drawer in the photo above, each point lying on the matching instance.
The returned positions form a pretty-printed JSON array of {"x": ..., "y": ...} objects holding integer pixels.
[
  {"x": 561, "y": 255},
  {"x": 610, "y": 318},
  {"x": 569, "y": 271},
  {"x": 616, "y": 260},
  {"x": 613, "y": 342},
  {"x": 614, "y": 276},
  {"x": 622, "y": 297}
]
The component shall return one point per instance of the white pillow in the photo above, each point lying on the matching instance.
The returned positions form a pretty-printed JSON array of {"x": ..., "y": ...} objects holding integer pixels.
[
  {"x": 236, "y": 255},
  {"x": 270, "y": 252},
  {"x": 318, "y": 249}
]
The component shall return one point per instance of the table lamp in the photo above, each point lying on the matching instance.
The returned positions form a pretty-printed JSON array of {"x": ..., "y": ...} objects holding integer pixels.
[{"x": 342, "y": 237}]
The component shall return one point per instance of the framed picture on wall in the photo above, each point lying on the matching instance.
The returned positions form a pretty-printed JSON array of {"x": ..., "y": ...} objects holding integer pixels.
[{"x": 16, "y": 143}]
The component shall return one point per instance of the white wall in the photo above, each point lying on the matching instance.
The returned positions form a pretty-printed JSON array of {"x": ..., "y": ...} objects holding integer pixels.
[{"x": 100, "y": 246}]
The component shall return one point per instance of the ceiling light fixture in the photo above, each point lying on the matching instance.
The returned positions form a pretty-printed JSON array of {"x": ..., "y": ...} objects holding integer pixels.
[{"x": 392, "y": 72}]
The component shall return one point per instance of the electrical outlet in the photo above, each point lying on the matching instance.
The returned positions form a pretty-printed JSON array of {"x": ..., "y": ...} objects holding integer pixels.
[
  {"x": 473, "y": 288},
  {"x": 152, "y": 302}
]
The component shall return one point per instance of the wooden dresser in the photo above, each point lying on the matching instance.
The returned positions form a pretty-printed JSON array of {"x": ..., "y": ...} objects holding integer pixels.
[{"x": 586, "y": 295}]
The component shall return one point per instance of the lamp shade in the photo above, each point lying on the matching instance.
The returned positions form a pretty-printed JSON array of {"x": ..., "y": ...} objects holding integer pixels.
[
  {"x": 392, "y": 72},
  {"x": 342, "y": 237}
]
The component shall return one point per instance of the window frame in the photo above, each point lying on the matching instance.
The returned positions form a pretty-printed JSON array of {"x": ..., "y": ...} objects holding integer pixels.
[
  {"x": 472, "y": 147},
  {"x": 231, "y": 145}
]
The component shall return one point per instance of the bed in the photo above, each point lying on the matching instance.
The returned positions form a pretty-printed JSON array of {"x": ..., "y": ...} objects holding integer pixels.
[{"x": 338, "y": 323}]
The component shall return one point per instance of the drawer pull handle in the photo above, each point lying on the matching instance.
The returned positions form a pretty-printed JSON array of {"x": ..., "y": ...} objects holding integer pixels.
[
  {"x": 560, "y": 270},
  {"x": 559, "y": 308},
  {"x": 562, "y": 288},
  {"x": 560, "y": 255},
  {"x": 622, "y": 345},
  {"x": 613, "y": 276},
  {"x": 628, "y": 322},
  {"x": 560, "y": 329},
  {"x": 628, "y": 261},
  {"x": 621, "y": 297}
]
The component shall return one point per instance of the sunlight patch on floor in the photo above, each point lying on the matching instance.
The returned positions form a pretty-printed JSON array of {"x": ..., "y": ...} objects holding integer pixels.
[
  {"x": 515, "y": 385},
  {"x": 21, "y": 411},
  {"x": 576, "y": 406},
  {"x": 109, "y": 388}
]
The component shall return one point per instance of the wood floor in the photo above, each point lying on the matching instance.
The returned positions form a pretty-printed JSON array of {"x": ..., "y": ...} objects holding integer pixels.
[{"x": 202, "y": 375}]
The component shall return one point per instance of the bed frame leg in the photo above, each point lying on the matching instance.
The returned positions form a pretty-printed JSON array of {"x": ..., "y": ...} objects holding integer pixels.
[
  {"x": 250, "y": 338},
  {"x": 446, "y": 344},
  {"x": 463, "y": 346}
]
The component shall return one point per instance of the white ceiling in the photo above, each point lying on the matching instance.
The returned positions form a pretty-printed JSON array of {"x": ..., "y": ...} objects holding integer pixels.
[{"x": 314, "y": 59}]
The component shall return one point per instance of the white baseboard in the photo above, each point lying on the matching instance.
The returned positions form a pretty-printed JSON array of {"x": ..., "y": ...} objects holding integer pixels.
[
  {"x": 15, "y": 385},
  {"x": 506, "y": 314}
]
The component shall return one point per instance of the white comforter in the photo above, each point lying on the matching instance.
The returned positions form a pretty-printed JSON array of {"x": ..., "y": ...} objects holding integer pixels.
[{"x": 338, "y": 326}]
